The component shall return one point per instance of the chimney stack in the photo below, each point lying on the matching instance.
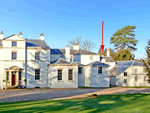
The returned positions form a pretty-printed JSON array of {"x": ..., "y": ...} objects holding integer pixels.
[
  {"x": 1, "y": 35},
  {"x": 103, "y": 59},
  {"x": 68, "y": 53},
  {"x": 42, "y": 36},
  {"x": 20, "y": 34},
  {"x": 108, "y": 52},
  {"x": 76, "y": 46}
]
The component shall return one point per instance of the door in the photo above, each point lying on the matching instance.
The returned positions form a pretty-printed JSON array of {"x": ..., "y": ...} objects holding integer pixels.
[
  {"x": 14, "y": 78},
  {"x": 113, "y": 80}
]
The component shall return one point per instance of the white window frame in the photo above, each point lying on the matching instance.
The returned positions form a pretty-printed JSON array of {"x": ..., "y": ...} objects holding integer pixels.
[
  {"x": 126, "y": 81},
  {"x": 100, "y": 69},
  {"x": 14, "y": 43},
  {"x": 59, "y": 74},
  {"x": 69, "y": 75},
  {"x": 125, "y": 74},
  {"x": 37, "y": 75},
  {"x": 14, "y": 56},
  {"x": 7, "y": 76},
  {"x": 37, "y": 57}
]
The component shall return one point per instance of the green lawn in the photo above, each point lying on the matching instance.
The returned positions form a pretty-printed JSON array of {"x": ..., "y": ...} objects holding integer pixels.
[{"x": 130, "y": 103}]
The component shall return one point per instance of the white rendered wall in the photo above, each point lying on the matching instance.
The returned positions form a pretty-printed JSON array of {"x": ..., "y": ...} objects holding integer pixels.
[
  {"x": 86, "y": 59},
  {"x": 131, "y": 77},
  {"x": 99, "y": 80},
  {"x": 65, "y": 83}
]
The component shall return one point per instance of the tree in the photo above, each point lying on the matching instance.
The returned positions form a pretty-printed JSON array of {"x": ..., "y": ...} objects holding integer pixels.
[
  {"x": 104, "y": 53},
  {"x": 124, "y": 38},
  {"x": 123, "y": 54},
  {"x": 84, "y": 44},
  {"x": 146, "y": 61}
]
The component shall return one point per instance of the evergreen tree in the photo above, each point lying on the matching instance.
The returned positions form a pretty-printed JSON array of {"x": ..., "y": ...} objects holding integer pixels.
[
  {"x": 146, "y": 61},
  {"x": 124, "y": 38},
  {"x": 123, "y": 54}
]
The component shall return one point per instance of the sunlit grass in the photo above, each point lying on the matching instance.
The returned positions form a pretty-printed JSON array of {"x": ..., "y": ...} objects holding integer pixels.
[{"x": 121, "y": 103}]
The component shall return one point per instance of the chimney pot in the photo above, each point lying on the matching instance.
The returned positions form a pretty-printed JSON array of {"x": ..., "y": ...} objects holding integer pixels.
[
  {"x": 1, "y": 32},
  {"x": 20, "y": 33},
  {"x": 41, "y": 36}
]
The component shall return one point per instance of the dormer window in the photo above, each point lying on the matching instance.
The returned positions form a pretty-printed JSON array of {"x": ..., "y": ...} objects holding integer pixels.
[{"x": 14, "y": 43}]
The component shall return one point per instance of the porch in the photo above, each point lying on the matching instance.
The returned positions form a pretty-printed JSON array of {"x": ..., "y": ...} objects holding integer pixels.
[{"x": 14, "y": 76}]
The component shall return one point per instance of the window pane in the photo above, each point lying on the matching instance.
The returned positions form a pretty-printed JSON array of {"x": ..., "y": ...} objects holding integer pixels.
[
  {"x": 37, "y": 74},
  {"x": 100, "y": 70},
  {"x": 20, "y": 73},
  {"x": 14, "y": 55},
  {"x": 79, "y": 70},
  {"x": 60, "y": 74},
  {"x": 7, "y": 76},
  {"x": 70, "y": 74},
  {"x": 125, "y": 73},
  {"x": 125, "y": 80},
  {"x": 37, "y": 56},
  {"x": 14, "y": 43}
]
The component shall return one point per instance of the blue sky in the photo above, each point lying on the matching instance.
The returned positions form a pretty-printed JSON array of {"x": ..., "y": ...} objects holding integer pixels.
[{"x": 62, "y": 20}]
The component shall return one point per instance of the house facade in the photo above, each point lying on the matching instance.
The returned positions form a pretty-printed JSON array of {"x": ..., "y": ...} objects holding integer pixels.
[
  {"x": 32, "y": 63},
  {"x": 128, "y": 73}
]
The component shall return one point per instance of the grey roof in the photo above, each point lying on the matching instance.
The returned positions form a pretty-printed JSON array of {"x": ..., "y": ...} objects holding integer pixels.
[
  {"x": 109, "y": 59},
  {"x": 97, "y": 63},
  {"x": 60, "y": 61},
  {"x": 74, "y": 52},
  {"x": 36, "y": 43},
  {"x": 121, "y": 66},
  {"x": 1, "y": 42},
  {"x": 79, "y": 64}
]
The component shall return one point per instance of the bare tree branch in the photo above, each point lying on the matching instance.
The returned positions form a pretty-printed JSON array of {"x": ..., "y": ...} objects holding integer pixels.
[{"x": 84, "y": 44}]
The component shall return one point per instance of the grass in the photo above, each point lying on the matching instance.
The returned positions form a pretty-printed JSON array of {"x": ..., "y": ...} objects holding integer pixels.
[{"x": 121, "y": 103}]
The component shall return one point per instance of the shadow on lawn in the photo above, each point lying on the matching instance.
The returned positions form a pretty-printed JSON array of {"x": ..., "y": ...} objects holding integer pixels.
[{"x": 102, "y": 103}]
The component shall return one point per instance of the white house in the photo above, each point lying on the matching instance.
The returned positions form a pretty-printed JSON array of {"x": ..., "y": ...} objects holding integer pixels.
[
  {"x": 128, "y": 73},
  {"x": 32, "y": 63}
]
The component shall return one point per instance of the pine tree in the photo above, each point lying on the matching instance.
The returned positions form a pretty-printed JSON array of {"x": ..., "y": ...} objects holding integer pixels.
[
  {"x": 123, "y": 54},
  {"x": 146, "y": 61},
  {"x": 124, "y": 38}
]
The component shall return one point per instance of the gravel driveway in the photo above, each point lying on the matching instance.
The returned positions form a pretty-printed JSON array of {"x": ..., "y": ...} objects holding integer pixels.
[{"x": 55, "y": 94}]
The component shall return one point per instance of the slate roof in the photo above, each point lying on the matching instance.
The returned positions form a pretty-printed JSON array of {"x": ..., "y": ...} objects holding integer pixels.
[
  {"x": 74, "y": 52},
  {"x": 36, "y": 43},
  {"x": 121, "y": 66},
  {"x": 60, "y": 61},
  {"x": 79, "y": 64},
  {"x": 97, "y": 63}
]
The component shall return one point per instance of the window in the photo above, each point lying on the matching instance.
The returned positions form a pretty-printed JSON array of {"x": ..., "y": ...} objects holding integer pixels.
[
  {"x": 99, "y": 70},
  {"x": 125, "y": 73},
  {"x": 79, "y": 70},
  {"x": 7, "y": 74},
  {"x": 136, "y": 78},
  {"x": 14, "y": 43},
  {"x": 37, "y": 74},
  {"x": 136, "y": 70},
  {"x": 125, "y": 80},
  {"x": 14, "y": 55},
  {"x": 59, "y": 74},
  {"x": 20, "y": 73},
  {"x": 144, "y": 78},
  {"x": 70, "y": 74},
  {"x": 37, "y": 56}
]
